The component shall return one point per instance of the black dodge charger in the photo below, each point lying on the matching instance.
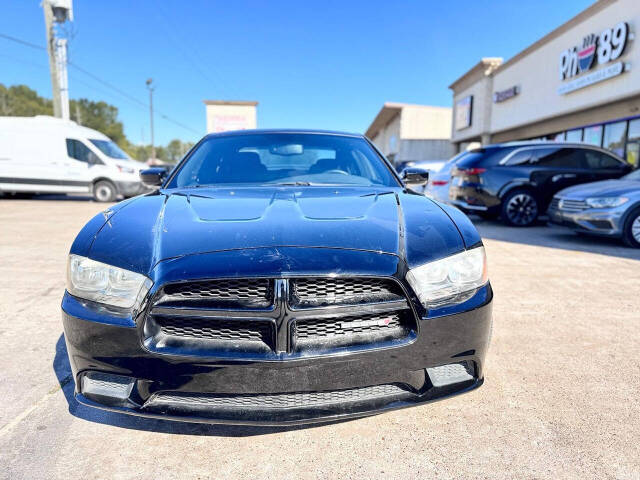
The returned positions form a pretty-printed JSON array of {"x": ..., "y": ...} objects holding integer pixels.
[{"x": 276, "y": 277}]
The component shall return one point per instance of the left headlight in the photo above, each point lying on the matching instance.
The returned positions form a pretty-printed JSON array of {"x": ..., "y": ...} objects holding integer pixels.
[
  {"x": 104, "y": 283},
  {"x": 605, "y": 202},
  {"x": 449, "y": 280}
]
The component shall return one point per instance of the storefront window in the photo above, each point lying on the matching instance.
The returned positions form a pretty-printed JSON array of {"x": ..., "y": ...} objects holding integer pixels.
[
  {"x": 614, "y": 137},
  {"x": 633, "y": 143},
  {"x": 558, "y": 137},
  {"x": 593, "y": 135},
  {"x": 574, "y": 135}
]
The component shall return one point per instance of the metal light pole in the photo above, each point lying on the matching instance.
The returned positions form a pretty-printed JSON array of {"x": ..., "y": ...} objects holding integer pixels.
[{"x": 151, "y": 88}]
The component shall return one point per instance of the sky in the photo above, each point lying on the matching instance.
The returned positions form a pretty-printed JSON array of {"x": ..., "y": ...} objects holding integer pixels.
[{"x": 310, "y": 64}]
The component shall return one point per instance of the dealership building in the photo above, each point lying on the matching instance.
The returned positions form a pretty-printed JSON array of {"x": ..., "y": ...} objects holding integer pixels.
[{"x": 579, "y": 83}]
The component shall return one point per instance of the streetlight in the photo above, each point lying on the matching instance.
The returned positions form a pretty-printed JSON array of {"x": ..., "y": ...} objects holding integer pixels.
[{"x": 153, "y": 147}]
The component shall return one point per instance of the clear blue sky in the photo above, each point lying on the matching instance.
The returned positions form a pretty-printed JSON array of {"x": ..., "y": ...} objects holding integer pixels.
[{"x": 313, "y": 64}]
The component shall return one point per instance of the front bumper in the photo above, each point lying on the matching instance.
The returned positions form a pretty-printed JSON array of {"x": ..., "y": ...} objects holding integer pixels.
[
  {"x": 600, "y": 221},
  {"x": 300, "y": 390}
]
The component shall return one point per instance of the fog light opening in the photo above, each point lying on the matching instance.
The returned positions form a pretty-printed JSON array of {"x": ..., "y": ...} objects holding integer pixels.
[
  {"x": 450, "y": 374},
  {"x": 106, "y": 385}
]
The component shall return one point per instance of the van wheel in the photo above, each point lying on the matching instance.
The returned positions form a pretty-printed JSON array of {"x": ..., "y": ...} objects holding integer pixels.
[
  {"x": 520, "y": 208},
  {"x": 631, "y": 233},
  {"x": 104, "y": 191}
]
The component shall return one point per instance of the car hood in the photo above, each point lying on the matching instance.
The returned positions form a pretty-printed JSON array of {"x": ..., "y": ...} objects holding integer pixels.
[
  {"x": 172, "y": 223},
  {"x": 604, "y": 188}
]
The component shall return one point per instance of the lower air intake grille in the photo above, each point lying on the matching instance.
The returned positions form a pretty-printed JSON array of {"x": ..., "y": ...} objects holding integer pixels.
[
  {"x": 215, "y": 329},
  {"x": 278, "y": 400},
  {"x": 313, "y": 292}
]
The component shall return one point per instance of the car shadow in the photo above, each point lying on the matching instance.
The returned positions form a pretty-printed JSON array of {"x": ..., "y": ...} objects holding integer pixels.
[
  {"x": 62, "y": 369},
  {"x": 553, "y": 236},
  {"x": 74, "y": 197}
]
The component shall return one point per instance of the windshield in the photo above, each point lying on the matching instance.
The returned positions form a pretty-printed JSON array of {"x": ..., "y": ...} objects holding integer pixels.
[
  {"x": 635, "y": 175},
  {"x": 283, "y": 158},
  {"x": 110, "y": 149}
]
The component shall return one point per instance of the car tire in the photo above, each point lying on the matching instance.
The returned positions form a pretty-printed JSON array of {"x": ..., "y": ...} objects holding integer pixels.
[
  {"x": 520, "y": 208},
  {"x": 104, "y": 191},
  {"x": 631, "y": 232}
]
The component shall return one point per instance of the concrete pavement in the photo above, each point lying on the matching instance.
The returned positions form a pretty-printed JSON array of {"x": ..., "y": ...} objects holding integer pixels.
[{"x": 560, "y": 398}]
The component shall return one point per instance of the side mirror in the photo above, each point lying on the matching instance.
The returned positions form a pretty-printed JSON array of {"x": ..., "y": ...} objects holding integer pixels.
[
  {"x": 153, "y": 177},
  {"x": 414, "y": 177}
]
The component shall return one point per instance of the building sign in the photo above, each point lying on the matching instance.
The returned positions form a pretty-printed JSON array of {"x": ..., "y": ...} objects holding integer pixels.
[
  {"x": 595, "y": 49},
  {"x": 224, "y": 123},
  {"x": 503, "y": 95},
  {"x": 463, "y": 112},
  {"x": 609, "y": 71}
]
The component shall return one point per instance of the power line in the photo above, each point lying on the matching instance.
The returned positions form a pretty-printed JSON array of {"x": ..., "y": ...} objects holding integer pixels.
[
  {"x": 23, "y": 42},
  {"x": 187, "y": 54},
  {"x": 103, "y": 82}
]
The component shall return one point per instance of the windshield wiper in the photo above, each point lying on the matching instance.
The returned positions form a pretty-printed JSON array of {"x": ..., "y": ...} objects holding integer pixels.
[{"x": 294, "y": 184}]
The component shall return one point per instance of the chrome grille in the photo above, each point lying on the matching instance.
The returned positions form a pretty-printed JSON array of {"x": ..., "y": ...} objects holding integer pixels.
[
  {"x": 567, "y": 205},
  {"x": 310, "y": 292},
  {"x": 277, "y": 400}
]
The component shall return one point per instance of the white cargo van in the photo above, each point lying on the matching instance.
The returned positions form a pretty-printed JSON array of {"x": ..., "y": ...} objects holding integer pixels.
[{"x": 44, "y": 154}]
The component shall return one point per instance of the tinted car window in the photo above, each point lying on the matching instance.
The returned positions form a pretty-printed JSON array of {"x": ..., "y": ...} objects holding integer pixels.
[
  {"x": 486, "y": 157},
  {"x": 559, "y": 157},
  {"x": 277, "y": 158},
  {"x": 601, "y": 160},
  {"x": 78, "y": 150},
  {"x": 520, "y": 157}
]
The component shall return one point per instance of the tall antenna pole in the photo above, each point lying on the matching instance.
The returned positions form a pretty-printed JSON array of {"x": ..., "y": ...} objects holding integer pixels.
[
  {"x": 58, "y": 12},
  {"x": 53, "y": 64},
  {"x": 153, "y": 147}
]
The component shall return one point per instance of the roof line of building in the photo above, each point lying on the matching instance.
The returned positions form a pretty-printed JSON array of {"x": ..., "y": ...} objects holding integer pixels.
[
  {"x": 230, "y": 102},
  {"x": 487, "y": 65},
  {"x": 390, "y": 110}
]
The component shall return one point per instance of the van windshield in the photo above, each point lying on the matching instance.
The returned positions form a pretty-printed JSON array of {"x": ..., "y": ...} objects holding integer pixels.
[{"x": 110, "y": 149}]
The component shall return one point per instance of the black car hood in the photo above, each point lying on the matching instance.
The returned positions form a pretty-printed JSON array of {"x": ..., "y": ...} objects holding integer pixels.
[{"x": 170, "y": 224}]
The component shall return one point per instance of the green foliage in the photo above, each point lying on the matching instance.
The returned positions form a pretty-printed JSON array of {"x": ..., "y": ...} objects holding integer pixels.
[{"x": 22, "y": 101}]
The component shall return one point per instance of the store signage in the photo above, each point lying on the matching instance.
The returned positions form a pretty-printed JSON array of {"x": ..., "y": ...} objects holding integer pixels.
[
  {"x": 609, "y": 71},
  {"x": 599, "y": 49},
  {"x": 463, "y": 112},
  {"x": 503, "y": 95}
]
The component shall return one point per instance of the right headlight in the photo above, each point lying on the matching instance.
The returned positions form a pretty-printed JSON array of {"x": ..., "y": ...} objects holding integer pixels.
[
  {"x": 102, "y": 283},
  {"x": 449, "y": 280}
]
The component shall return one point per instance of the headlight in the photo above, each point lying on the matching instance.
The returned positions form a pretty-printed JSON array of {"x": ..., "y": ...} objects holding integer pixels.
[
  {"x": 449, "y": 280},
  {"x": 104, "y": 283},
  {"x": 605, "y": 202}
]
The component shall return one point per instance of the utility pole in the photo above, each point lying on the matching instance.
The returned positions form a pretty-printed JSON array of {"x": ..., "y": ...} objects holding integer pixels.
[
  {"x": 153, "y": 147},
  {"x": 58, "y": 11}
]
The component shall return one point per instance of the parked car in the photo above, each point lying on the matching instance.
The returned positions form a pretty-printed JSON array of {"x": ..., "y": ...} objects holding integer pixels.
[
  {"x": 610, "y": 208},
  {"x": 44, "y": 154},
  {"x": 439, "y": 182},
  {"x": 430, "y": 165},
  {"x": 518, "y": 180},
  {"x": 276, "y": 277}
]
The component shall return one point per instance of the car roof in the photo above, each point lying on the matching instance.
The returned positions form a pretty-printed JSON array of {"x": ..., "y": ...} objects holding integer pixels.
[
  {"x": 545, "y": 143},
  {"x": 266, "y": 131}
]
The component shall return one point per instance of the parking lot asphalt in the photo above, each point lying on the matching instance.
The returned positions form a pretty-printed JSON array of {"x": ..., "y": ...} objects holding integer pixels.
[{"x": 561, "y": 397}]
